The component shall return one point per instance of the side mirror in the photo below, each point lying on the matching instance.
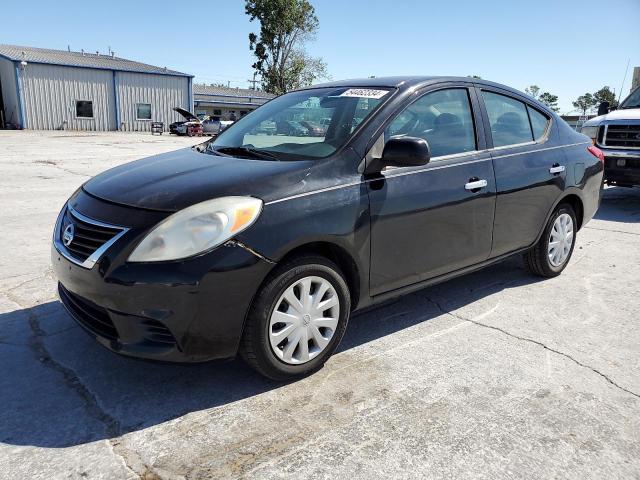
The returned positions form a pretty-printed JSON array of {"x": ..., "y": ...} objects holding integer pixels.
[
  {"x": 401, "y": 152},
  {"x": 406, "y": 152},
  {"x": 603, "y": 108}
]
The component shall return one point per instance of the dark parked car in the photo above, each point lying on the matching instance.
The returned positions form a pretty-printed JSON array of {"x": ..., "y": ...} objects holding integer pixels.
[
  {"x": 265, "y": 248},
  {"x": 289, "y": 127},
  {"x": 313, "y": 129}
]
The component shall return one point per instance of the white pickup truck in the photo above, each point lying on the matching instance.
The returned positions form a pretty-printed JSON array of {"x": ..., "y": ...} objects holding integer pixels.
[{"x": 617, "y": 134}]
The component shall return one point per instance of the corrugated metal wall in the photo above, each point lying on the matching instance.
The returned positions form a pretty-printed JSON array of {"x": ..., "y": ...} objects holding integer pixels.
[
  {"x": 163, "y": 92},
  {"x": 50, "y": 93}
]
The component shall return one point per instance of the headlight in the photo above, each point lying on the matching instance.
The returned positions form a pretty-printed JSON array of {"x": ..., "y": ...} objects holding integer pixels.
[
  {"x": 197, "y": 228},
  {"x": 591, "y": 132}
]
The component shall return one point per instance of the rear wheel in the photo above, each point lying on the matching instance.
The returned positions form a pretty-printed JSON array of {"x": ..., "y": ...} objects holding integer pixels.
[
  {"x": 297, "y": 319},
  {"x": 549, "y": 257}
]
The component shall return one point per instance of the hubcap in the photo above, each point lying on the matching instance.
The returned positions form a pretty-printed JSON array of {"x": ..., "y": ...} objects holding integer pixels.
[
  {"x": 560, "y": 240},
  {"x": 304, "y": 320}
]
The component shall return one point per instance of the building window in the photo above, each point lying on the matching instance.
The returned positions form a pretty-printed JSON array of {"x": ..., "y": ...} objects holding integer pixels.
[
  {"x": 84, "y": 109},
  {"x": 143, "y": 111}
]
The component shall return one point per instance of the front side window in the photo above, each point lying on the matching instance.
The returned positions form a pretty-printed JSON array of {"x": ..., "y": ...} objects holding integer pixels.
[
  {"x": 539, "y": 123},
  {"x": 508, "y": 119},
  {"x": 143, "y": 111},
  {"x": 84, "y": 109},
  {"x": 443, "y": 118},
  {"x": 305, "y": 124}
]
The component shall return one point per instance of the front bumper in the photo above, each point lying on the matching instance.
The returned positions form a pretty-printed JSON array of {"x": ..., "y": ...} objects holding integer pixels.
[
  {"x": 183, "y": 311},
  {"x": 622, "y": 167}
]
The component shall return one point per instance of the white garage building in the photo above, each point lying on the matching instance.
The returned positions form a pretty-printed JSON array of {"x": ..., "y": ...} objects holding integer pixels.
[{"x": 44, "y": 89}]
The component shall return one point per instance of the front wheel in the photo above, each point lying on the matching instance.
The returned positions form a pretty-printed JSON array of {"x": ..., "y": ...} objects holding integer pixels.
[
  {"x": 297, "y": 319},
  {"x": 549, "y": 257}
]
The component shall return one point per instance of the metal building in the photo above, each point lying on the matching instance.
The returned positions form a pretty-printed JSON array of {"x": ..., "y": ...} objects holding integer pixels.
[
  {"x": 44, "y": 89},
  {"x": 227, "y": 103}
]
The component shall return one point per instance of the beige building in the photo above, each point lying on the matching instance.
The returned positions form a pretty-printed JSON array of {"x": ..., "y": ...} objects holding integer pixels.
[
  {"x": 635, "y": 80},
  {"x": 227, "y": 103}
]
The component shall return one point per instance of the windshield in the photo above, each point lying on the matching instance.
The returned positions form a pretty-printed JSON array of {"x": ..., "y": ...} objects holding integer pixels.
[
  {"x": 633, "y": 100},
  {"x": 300, "y": 125}
]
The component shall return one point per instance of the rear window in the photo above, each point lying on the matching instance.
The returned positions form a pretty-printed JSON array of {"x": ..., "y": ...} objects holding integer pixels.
[{"x": 508, "y": 119}]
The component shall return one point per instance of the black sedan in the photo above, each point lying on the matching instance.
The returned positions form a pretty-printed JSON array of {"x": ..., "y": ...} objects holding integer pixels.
[{"x": 263, "y": 245}]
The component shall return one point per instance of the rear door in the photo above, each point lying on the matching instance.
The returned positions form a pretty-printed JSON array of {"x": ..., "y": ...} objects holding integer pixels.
[
  {"x": 529, "y": 167},
  {"x": 430, "y": 220}
]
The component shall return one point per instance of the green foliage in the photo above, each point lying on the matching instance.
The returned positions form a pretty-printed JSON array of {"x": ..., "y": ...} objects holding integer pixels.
[
  {"x": 281, "y": 61},
  {"x": 605, "y": 94},
  {"x": 585, "y": 103},
  {"x": 532, "y": 91},
  {"x": 545, "y": 97},
  {"x": 549, "y": 100}
]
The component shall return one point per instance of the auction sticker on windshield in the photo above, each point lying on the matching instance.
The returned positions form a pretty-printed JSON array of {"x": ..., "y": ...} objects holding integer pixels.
[{"x": 364, "y": 93}]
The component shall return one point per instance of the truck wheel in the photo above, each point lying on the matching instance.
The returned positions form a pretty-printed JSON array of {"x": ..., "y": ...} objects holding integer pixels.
[
  {"x": 297, "y": 319},
  {"x": 549, "y": 257}
]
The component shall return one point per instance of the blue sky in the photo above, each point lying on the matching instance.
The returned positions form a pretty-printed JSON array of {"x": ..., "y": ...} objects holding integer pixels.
[{"x": 567, "y": 47}]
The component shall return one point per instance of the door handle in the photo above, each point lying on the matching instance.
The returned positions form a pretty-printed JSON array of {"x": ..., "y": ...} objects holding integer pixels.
[
  {"x": 556, "y": 169},
  {"x": 475, "y": 185}
]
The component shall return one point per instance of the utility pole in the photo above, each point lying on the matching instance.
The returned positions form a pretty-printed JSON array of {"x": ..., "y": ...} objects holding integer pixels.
[{"x": 253, "y": 82}]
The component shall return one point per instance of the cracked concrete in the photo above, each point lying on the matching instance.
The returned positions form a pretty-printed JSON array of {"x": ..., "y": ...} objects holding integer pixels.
[
  {"x": 530, "y": 340},
  {"x": 492, "y": 375}
]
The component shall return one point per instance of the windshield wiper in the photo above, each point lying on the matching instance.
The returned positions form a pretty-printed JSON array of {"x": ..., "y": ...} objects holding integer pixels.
[{"x": 252, "y": 152}]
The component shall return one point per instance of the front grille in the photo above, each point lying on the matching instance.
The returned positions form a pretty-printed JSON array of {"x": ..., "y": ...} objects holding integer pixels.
[
  {"x": 624, "y": 136},
  {"x": 87, "y": 236},
  {"x": 96, "y": 319}
]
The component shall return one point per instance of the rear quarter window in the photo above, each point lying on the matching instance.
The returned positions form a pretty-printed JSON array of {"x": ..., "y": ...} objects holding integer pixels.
[{"x": 539, "y": 123}]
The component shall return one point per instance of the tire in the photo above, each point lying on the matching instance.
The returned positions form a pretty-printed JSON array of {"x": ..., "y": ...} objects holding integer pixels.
[
  {"x": 261, "y": 329},
  {"x": 539, "y": 260}
]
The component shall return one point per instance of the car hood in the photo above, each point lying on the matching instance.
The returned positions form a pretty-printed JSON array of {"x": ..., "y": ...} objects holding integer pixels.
[
  {"x": 175, "y": 180},
  {"x": 622, "y": 114},
  {"x": 186, "y": 114}
]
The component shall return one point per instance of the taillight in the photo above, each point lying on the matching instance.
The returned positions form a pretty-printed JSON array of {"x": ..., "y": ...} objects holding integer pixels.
[{"x": 596, "y": 152}]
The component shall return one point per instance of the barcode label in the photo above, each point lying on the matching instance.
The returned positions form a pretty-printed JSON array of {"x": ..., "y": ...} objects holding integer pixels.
[{"x": 364, "y": 93}]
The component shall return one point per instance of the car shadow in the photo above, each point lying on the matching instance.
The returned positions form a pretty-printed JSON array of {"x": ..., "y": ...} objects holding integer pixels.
[
  {"x": 620, "y": 204},
  {"x": 59, "y": 388}
]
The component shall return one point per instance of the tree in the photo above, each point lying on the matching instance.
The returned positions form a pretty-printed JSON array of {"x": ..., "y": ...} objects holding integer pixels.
[
  {"x": 285, "y": 25},
  {"x": 606, "y": 95},
  {"x": 549, "y": 100},
  {"x": 475, "y": 76},
  {"x": 533, "y": 91},
  {"x": 545, "y": 97},
  {"x": 585, "y": 103}
]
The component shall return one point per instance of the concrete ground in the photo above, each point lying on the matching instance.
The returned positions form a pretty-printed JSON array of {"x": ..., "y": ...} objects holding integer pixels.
[{"x": 493, "y": 375}]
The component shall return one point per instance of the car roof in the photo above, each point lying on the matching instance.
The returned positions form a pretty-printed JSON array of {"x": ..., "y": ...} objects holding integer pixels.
[
  {"x": 406, "y": 82},
  {"x": 415, "y": 82}
]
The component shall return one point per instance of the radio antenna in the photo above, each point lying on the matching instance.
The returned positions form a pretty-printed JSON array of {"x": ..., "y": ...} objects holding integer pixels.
[{"x": 623, "y": 80}]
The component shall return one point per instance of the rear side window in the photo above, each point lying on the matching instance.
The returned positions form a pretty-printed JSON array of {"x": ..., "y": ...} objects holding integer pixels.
[
  {"x": 539, "y": 123},
  {"x": 508, "y": 119},
  {"x": 443, "y": 118}
]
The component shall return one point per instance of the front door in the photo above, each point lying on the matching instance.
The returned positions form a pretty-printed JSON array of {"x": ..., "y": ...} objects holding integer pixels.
[{"x": 430, "y": 220}]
